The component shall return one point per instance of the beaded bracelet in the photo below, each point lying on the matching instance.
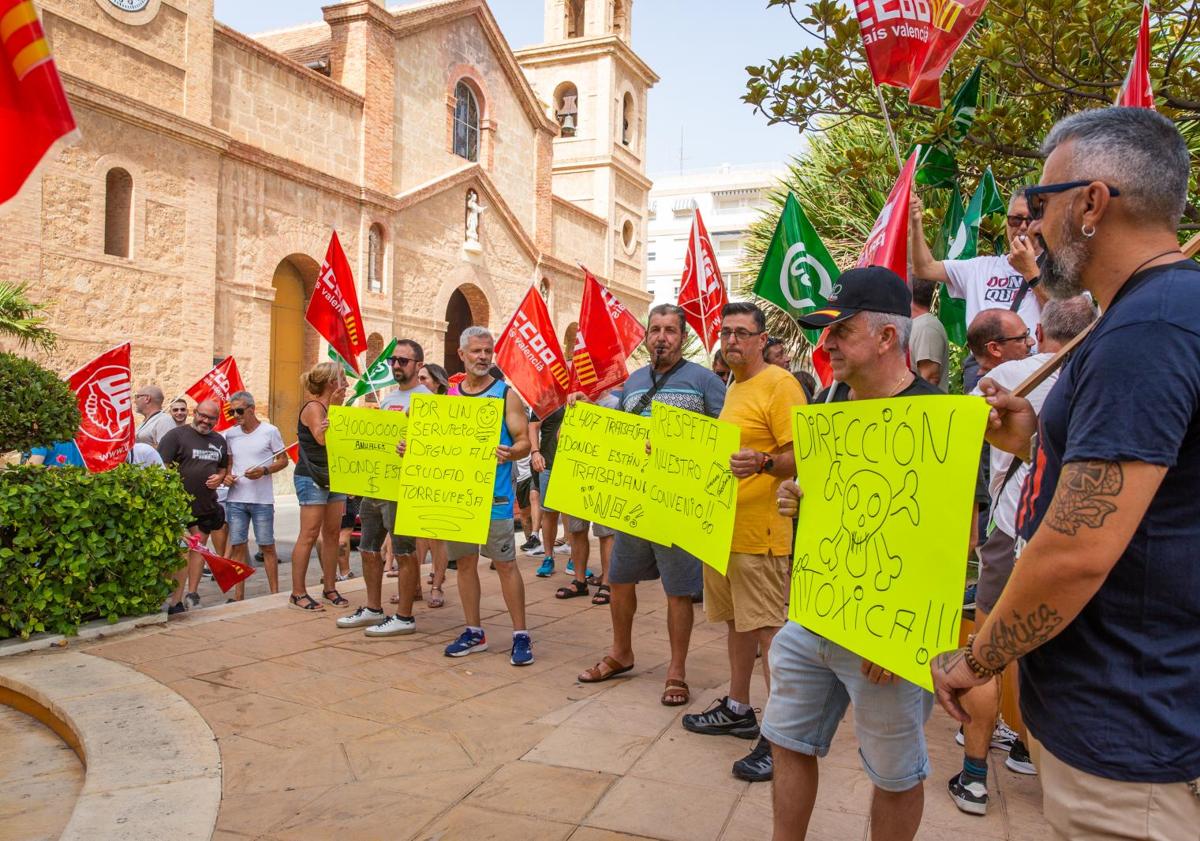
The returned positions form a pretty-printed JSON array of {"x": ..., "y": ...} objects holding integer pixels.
[{"x": 975, "y": 666}]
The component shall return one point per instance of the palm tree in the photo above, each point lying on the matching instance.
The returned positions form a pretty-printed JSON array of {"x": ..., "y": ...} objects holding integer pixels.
[{"x": 23, "y": 319}]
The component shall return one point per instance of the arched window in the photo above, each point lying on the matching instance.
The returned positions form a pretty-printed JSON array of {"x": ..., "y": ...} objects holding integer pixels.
[
  {"x": 575, "y": 18},
  {"x": 566, "y": 108},
  {"x": 118, "y": 212},
  {"x": 618, "y": 17},
  {"x": 627, "y": 117},
  {"x": 375, "y": 259},
  {"x": 466, "y": 122}
]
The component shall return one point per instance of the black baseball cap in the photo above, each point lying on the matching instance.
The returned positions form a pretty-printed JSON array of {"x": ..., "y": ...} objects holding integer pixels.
[{"x": 869, "y": 289}]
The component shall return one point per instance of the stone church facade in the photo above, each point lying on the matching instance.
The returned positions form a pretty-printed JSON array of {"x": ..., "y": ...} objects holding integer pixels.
[{"x": 193, "y": 214}]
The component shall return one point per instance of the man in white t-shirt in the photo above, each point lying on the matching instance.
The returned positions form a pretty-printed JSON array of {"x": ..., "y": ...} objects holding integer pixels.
[
  {"x": 256, "y": 451},
  {"x": 149, "y": 404}
]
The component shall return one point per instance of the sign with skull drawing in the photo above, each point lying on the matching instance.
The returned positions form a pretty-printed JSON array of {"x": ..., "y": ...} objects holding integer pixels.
[{"x": 881, "y": 540}]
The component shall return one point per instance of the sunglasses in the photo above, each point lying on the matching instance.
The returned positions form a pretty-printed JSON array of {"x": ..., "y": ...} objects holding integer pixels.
[
  {"x": 204, "y": 417},
  {"x": 400, "y": 360},
  {"x": 241, "y": 411},
  {"x": 1038, "y": 195},
  {"x": 1018, "y": 221}
]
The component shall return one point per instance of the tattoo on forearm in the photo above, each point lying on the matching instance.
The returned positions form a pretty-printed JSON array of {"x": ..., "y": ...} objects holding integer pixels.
[
  {"x": 1082, "y": 498},
  {"x": 1014, "y": 637},
  {"x": 946, "y": 661}
]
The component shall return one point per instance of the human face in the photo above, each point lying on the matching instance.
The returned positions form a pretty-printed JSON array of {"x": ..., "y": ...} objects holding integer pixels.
[
  {"x": 778, "y": 355},
  {"x": 477, "y": 356},
  {"x": 1018, "y": 212},
  {"x": 243, "y": 412},
  {"x": 338, "y": 392},
  {"x": 179, "y": 413},
  {"x": 424, "y": 379},
  {"x": 1015, "y": 343},
  {"x": 853, "y": 349},
  {"x": 664, "y": 340},
  {"x": 404, "y": 366},
  {"x": 141, "y": 402},
  {"x": 205, "y": 417},
  {"x": 1067, "y": 249},
  {"x": 741, "y": 340}
]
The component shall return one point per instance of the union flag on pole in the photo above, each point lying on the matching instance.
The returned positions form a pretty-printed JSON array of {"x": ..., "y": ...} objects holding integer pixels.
[
  {"x": 887, "y": 244},
  {"x": 629, "y": 329},
  {"x": 33, "y": 107},
  {"x": 226, "y": 571},
  {"x": 333, "y": 308},
  {"x": 531, "y": 358},
  {"x": 702, "y": 292},
  {"x": 1136, "y": 91},
  {"x": 218, "y": 384},
  {"x": 598, "y": 360},
  {"x": 105, "y": 396}
]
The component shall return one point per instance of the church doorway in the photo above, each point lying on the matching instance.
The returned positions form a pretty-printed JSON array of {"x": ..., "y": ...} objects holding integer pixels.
[
  {"x": 293, "y": 343},
  {"x": 467, "y": 307}
]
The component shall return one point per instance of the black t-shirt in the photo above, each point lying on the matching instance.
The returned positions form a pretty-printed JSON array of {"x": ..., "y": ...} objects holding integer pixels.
[
  {"x": 548, "y": 439},
  {"x": 918, "y": 387},
  {"x": 198, "y": 457}
]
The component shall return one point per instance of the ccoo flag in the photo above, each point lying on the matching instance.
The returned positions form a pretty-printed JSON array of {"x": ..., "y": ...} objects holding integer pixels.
[
  {"x": 377, "y": 375},
  {"x": 797, "y": 273},
  {"x": 952, "y": 312},
  {"x": 219, "y": 384},
  {"x": 1136, "y": 91},
  {"x": 531, "y": 358},
  {"x": 887, "y": 244},
  {"x": 702, "y": 292},
  {"x": 598, "y": 360},
  {"x": 936, "y": 166},
  {"x": 333, "y": 308},
  {"x": 102, "y": 387}
]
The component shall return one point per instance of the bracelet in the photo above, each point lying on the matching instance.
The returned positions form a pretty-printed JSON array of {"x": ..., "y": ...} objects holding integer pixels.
[{"x": 978, "y": 668}]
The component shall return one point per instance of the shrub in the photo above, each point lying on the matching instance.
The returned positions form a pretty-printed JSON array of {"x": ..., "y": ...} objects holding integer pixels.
[
  {"x": 77, "y": 546},
  {"x": 38, "y": 408}
]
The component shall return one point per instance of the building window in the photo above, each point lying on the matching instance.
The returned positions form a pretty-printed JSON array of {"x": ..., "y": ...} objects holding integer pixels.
[
  {"x": 618, "y": 17},
  {"x": 629, "y": 236},
  {"x": 566, "y": 108},
  {"x": 627, "y": 120},
  {"x": 375, "y": 259},
  {"x": 574, "y": 27},
  {"x": 466, "y": 123},
  {"x": 651, "y": 256},
  {"x": 118, "y": 212}
]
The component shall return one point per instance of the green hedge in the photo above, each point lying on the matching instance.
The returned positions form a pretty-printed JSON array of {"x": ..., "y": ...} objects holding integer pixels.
[
  {"x": 38, "y": 407},
  {"x": 77, "y": 546}
]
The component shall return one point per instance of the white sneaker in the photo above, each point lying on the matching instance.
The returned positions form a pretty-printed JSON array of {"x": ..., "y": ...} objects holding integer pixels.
[
  {"x": 362, "y": 616},
  {"x": 1003, "y": 737},
  {"x": 391, "y": 627},
  {"x": 562, "y": 548}
]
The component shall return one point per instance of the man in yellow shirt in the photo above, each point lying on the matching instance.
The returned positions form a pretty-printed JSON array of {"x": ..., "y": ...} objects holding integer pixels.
[{"x": 752, "y": 598}]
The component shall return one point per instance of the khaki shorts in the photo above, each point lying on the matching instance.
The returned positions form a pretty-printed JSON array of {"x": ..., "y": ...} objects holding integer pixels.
[
  {"x": 754, "y": 593},
  {"x": 500, "y": 546}
]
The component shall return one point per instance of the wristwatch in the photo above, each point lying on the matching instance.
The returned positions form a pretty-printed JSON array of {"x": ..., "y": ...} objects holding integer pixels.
[{"x": 768, "y": 463}]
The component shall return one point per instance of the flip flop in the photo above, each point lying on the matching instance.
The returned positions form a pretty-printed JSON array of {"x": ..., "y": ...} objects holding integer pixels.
[{"x": 596, "y": 673}]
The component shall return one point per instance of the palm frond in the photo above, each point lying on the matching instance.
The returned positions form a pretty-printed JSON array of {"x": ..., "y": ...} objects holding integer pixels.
[{"x": 23, "y": 319}]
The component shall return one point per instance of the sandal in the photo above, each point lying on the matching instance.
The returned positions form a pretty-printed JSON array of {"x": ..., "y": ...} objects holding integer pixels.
[
  {"x": 338, "y": 600},
  {"x": 606, "y": 669},
  {"x": 305, "y": 602},
  {"x": 575, "y": 589},
  {"x": 439, "y": 599},
  {"x": 602, "y": 595},
  {"x": 393, "y": 573},
  {"x": 676, "y": 693}
]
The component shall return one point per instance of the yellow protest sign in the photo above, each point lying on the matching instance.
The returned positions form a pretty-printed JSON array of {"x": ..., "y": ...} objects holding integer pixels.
[
  {"x": 881, "y": 541},
  {"x": 449, "y": 467},
  {"x": 361, "y": 445},
  {"x": 690, "y": 478},
  {"x": 600, "y": 468}
]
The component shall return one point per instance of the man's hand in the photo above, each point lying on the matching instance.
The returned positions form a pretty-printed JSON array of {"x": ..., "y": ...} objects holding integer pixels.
[
  {"x": 1012, "y": 421},
  {"x": 537, "y": 462},
  {"x": 255, "y": 473},
  {"x": 214, "y": 481},
  {"x": 503, "y": 453},
  {"x": 745, "y": 462},
  {"x": 323, "y": 425},
  {"x": 788, "y": 498},
  {"x": 952, "y": 677},
  {"x": 1023, "y": 256},
  {"x": 876, "y": 673},
  {"x": 401, "y": 447},
  {"x": 916, "y": 209},
  {"x": 575, "y": 397}
]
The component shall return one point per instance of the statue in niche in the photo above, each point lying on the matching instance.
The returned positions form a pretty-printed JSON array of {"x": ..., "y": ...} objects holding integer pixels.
[{"x": 474, "y": 211}]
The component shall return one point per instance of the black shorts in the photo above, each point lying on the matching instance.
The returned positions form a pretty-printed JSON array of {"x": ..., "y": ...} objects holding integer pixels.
[
  {"x": 350, "y": 513},
  {"x": 523, "y": 488},
  {"x": 210, "y": 521}
]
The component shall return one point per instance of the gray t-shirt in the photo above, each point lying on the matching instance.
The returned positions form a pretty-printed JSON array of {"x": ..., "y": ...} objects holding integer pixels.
[
  {"x": 154, "y": 428},
  {"x": 929, "y": 342},
  {"x": 691, "y": 387},
  {"x": 398, "y": 399}
]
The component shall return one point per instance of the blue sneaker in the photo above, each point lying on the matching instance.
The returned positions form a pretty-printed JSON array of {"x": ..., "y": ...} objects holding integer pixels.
[
  {"x": 468, "y": 642},
  {"x": 570, "y": 566},
  {"x": 547, "y": 568},
  {"x": 969, "y": 598},
  {"x": 522, "y": 650}
]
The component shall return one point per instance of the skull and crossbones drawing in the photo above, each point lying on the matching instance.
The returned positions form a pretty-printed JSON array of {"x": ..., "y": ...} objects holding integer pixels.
[{"x": 867, "y": 502}]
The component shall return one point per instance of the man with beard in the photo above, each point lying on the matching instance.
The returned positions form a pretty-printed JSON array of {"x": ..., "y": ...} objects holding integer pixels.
[{"x": 1102, "y": 606}]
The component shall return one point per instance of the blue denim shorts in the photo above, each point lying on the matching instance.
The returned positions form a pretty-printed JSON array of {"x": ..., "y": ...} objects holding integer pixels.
[
  {"x": 543, "y": 486},
  {"x": 239, "y": 515},
  {"x": 813, "y": 681},
  {"x": 309, "y": 492}
]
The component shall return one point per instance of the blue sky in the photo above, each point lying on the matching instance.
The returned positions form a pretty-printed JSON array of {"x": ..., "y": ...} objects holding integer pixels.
[{"x": 700, "y": 48}]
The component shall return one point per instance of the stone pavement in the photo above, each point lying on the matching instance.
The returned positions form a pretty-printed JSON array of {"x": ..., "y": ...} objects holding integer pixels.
[
  {"x": 40, "y": 777},
  {"x": 324, "y": 733}
]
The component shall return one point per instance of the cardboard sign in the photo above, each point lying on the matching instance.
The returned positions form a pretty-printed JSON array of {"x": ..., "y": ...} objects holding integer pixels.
[{"x": 361, "y": 446}]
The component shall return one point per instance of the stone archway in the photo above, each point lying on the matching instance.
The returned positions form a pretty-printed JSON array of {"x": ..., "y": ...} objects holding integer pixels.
[
  {"x": 294, "y": 344},
  {"x": 467, "y": 307}
]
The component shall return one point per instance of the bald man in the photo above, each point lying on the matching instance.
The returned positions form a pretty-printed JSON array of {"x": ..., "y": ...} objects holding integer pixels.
[
  {"x": 202, "y": 458},
  {"x": 149, "y": 404}
]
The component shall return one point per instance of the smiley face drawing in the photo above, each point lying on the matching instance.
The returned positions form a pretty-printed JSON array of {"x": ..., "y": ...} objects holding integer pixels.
[{"x": 487, "y": 419}]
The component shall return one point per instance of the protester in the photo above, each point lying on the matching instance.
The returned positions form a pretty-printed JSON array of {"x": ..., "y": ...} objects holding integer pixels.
[
  {"x": 434, "y": 378},
  {"x": 807, "y": 382},
  {"x": 58, "y": 454},
  {"x": 929, "y": 348},
  {"x": 345, "y": 534},
  {"x": 202, "y": 458},
  {"x": 996, "y": 337},
  {"x": 1101, "y": 608},
  {"x": 528, "y": 509},
  {"x": 543, "y": 435},
  {"x": 378, "y": 517},
  {"x": 143, "y": 455},
  {"x": 256, "y": 452},
  {"x": 720, "y": 367},
  {"x": 148, "y": 401},
  {"x": 320, "y": 509},
  {"x": 674, "y": 381},
  {"x": 776, "y": 353},
  {"x": 179, "y": 411},
  {"x": 751, "y": 598}
]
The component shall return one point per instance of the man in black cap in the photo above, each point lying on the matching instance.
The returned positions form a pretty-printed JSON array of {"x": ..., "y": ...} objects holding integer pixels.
[{"x": 813, "y": 680}]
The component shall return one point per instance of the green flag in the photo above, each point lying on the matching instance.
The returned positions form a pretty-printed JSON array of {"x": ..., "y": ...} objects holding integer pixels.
[
  {"x": 952, "y": 312},
  {"x": 377, "y": 375},
  {"x": 797, "y": 273},
  {"x": 936, "y": 166}
]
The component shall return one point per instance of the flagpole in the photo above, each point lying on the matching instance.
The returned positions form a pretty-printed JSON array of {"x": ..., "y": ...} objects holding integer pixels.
[{"x": 887, "y": 121}]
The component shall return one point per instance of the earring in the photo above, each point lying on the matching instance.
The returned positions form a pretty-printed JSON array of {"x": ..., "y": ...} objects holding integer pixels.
[{"x": 1089, "y": 234}]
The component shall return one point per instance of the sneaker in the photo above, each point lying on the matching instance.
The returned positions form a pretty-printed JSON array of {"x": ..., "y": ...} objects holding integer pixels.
[
  {"x": 971, "y": 798},
  {"x": 176, "y": 609},
  {"x": 468, "y": 641},
  {"x": 258, "y": 558},
  {"x": 570, "y": 567},
  {"x": 562, "y": 548},
  {"x": 969, "y": 598},
  {"x": 342, "y": 577},
  {"x": 546, "y": 569},
  {"x": 522, "y": 650},
  {"x": 206, "y": 573},
  {"x": 361, "y": 617},
  {"x": 757, "y": 766},
  {"x": 194, "y": 598},
  {"x": 391, "y": 627},
  {"x": 1003, "y": 737},
  {"x": 719, "y": 720},
  {"x": 1019, "y": 760},
  {"x": 532, "y": 546}
]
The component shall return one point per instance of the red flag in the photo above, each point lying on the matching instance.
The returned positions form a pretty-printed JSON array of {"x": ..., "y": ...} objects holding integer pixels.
[
  {"x": 293, "y": 452},
  {"x": 333, "y": 308},
  {"x": 887, "y": 244},
  {"x": 1136, "y": 91},
  {"x": 33, "y": 107},
  {"x": 218, "y": 384},
  {"x": 702, "y": 292},
  {"x": 226, "y": 571},
  {"x": 105, "y": 396},
  {"x": 909, "y": 44},
  {"x": 598, "y": 361},
  {"x": 531, "y": 358},
  {"x": 820, "y": 360},
  {"x": 629, "y": 329}
]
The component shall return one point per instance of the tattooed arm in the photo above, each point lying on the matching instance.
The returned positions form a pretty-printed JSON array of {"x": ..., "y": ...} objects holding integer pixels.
[{"x": 1095, "y": 510}]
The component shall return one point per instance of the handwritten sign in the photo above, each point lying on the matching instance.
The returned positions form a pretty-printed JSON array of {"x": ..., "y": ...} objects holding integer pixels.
[
  {"x": 881, "y": 541},
  {"x": 449, "y": 467},
  {"x": 600, "y": 471},
  {"x": 361, "y": 444},
  {"x": 690, "y": 478}
]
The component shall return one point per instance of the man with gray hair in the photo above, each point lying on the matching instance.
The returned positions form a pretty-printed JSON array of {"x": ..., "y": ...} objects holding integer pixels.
[
  {"x": 1101, "y": 609},
  {"x": 255, "y": 451},
  {"x": 149, "y": 404}
]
